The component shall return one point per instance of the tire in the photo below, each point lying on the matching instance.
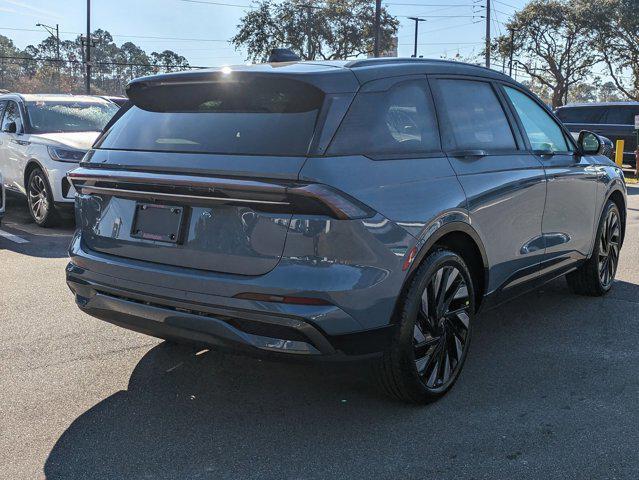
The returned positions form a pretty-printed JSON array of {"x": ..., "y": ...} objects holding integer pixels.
[
  {"x": 40, "y": 200},
  {"x": 431, "y": 342},
  {"x": 595, "y": 277}
]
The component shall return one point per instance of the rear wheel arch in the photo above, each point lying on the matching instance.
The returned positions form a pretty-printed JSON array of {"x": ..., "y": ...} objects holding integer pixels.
[{"x": 461, "y": 238}]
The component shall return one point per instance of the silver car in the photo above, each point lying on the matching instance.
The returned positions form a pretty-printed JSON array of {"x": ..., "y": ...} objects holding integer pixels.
[
  {"x": 365, "y": 209},
  {"x": 2, "y": 198}
]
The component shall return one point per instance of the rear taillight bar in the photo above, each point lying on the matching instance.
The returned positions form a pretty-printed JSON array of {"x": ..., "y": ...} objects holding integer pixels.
[{"x": 292, "y": 197}]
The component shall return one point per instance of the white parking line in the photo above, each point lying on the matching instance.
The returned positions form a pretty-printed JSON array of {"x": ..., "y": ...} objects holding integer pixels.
[{"x": 12, "y": 237}]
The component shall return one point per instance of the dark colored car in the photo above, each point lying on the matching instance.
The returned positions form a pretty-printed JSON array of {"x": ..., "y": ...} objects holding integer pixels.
[
  {"x": 615, "y": 120},
  {"x": 338, "y": 210}
]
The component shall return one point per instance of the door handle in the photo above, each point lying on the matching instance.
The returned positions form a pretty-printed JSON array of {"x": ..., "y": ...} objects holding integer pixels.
[
  {"x": 468, "y": 153},
  {"x": 544, "y": 153}
]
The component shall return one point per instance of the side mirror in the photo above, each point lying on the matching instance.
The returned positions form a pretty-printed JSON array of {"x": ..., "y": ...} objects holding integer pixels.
[
  {"x": 590, "y": 143},
  {"x": 11, "y": 127}
]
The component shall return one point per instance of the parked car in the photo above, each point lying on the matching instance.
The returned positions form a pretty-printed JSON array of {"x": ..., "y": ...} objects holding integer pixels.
[
  {"x": 2, "y": 198},
  {"x": 42, "y": 137},
  {"x": 615, "y": 120},
  {"x": 119, "y": 101},
  {"x": 338, "y": 210}
]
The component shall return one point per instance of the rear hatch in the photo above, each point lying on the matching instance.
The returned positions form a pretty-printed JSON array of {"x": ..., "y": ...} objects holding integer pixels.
[{"x": 201, "y": 171}]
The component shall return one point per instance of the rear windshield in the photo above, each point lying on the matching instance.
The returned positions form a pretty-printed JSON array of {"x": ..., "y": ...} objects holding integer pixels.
[
  {"x": 581, "y": 114},
  {"x": 69, "y": 116},
  {"x": 256, "y": 117}
]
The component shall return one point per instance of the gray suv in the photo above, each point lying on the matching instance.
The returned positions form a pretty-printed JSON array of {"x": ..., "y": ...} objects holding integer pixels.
[{"x": 361, "y": 209}]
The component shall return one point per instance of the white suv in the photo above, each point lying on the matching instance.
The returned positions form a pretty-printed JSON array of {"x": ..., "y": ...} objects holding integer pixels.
[
  {"x": 42, "y": 137},
  {"x": 2, "y": 201}
]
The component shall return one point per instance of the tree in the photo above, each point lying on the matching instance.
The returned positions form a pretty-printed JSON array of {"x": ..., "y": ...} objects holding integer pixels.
[
  {"x": 34, "y": 69},
  {"x": 137, "y": 59},
  {"x": 616, "y": 23},
  {"x": 9, "y": 70},
  {"x": 170, "y": 61},
  {"x": 608, "y": 92},
  {"x": 583, "y": 93},
  {"x": 551, "y": 33},
  {"x": 335, "y": 29}
]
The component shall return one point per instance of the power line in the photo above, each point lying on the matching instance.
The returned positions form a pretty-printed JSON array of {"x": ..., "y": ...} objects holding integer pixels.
[
  {"x": 222, "y": 4},
  {"x": 119, "y": 64},
  {"x": 443, "y": 16},
  {"x": 126, "y": 36}
]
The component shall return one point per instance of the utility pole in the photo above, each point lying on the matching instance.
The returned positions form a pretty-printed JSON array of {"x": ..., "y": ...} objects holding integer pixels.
[
  {"x": 87, "y": 57},
  {"x": 378, "y": 14},
  {"x": 487, "y": 33},
  {"x": 512, "y": 47},
  {"x": 568, "y": 73},
  {"x": 50, "y": 31},
  {"x": 416, "y": 20},
  {"x": 308, "y": 31}
]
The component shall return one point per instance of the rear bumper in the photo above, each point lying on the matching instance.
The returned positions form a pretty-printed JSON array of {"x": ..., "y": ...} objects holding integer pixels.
[{"x": 244, "y": 326}]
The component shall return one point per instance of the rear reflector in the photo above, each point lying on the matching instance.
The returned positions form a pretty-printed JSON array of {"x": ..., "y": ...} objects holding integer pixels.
[
  {"x": 408, "y": 261},
  {"x": 262, "y": 297}
]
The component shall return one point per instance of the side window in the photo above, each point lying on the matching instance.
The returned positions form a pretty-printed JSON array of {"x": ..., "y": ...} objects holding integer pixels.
[
  {"x": 543, "y": 132},
  {"x": 11, "y": 114},
  {"x": 474, "y": 115},
  {"x": 620, "y": 116},
  {"x": 3, "y": 103},
  {"x": 398, "y": 121},
  {"x": 581, "y": 114}
]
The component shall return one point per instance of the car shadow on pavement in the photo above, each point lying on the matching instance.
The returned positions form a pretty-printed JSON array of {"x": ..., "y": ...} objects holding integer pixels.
[
  {"x": 537, "y": 368},
  {"x": 27, "y": 238}
]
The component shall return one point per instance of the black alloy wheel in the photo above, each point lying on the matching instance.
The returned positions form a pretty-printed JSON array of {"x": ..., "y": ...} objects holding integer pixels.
[
  {"x": 441, "y": 330},
  {"x": 432, "y": 340}
]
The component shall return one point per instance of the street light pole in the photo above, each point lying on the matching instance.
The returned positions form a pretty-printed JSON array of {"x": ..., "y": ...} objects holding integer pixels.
[
  {"x": 50, "y": 31},
  {"x": 512, "y": 47},
  {"x": 378, "y": 14},
  {"x": 87, "y": 58},
  {"x": 416, "y": 20},
  {"x": 487, "y": 33}
]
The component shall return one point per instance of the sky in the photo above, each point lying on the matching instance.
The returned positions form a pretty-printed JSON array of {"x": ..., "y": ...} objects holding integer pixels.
[{"x": 200, "y": 31}]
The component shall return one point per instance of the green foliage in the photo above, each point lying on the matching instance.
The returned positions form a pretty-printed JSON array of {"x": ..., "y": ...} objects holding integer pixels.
[
  {"x": 615, "y": 27},
  {"x": 35, "y": 68},
  {"x": 551, "y": 43},
  {"x": 335, "y": 29}
]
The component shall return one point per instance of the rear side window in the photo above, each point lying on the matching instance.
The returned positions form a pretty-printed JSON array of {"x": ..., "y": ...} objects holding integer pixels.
[
  {"x": 254, "y": 117},
  {"x": 581, "y": 114},
  {"x": 620, "y": 116},
  {"x": 398, "y": 121},
  {"x": 474, "y": 117},
  {"x": 543, "y": 132}
]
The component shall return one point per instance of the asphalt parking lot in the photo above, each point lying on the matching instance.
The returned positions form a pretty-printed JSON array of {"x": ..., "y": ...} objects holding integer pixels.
[{"x": 550, "y": 391}]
